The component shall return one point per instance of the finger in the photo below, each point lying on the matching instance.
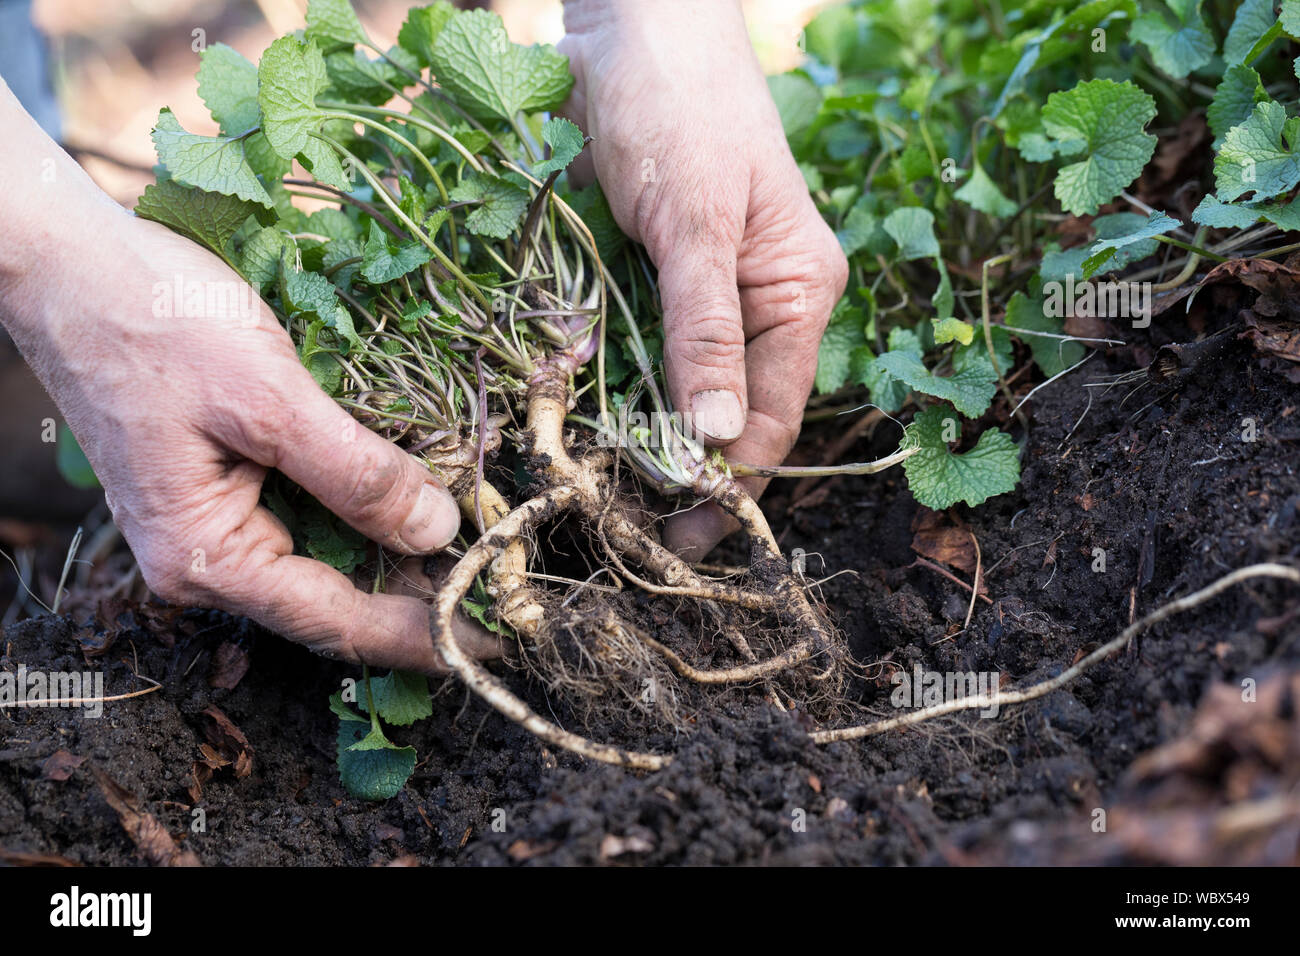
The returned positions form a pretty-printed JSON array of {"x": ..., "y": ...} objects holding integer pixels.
[
  {"x": 367, "y": 481},
  {"x": 786, "y": 302},
  {"x": 704, "y": 337},
  {"x": 693, "y": 534},
  {"x": 411, "y": 578},
  {"x": 257, "y": 575}
]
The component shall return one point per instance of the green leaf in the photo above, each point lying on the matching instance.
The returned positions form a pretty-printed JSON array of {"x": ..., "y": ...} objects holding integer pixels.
[
  {"x": 370, "y": 766},
  {"x": 1222, "y": 215},
  {"x": 1036, "y": 147},
  {"x": 1178, "y": 44},
  {"x": 912, "y": 229},
  {"x": 323, "y": 163},
  {"x": 1253, "y": 19},
  {"x": 421, "y": 29},
  {"x": 259, "y": 258},
  {"x": 414, "y": 202},
  {"x": 334, "y": 23},
  {"x": 303, "y": 292},
  {"x": 939, "y": 479},
  {"x": 1259, "y": 155},
  {"x": 208, "y": 218},
  {"x": 228, "y": 85},
  {"x": 916, "y": 94},
  {"x": 412, "y": 313},
  {"x": 797, "y": 101},
  {"x": 339, "y": 707},
  {"x": 833, "y": 34},
  {"x": 327, "y": 538},
  {"x": 886, "y": 391},
  {"x": 1137, "y": 237},
  {"x": 479, "y": 611},
  {"x": 1105, "y": 121},
  {"x": 1290, "y": 17},
  {"x": 970, "y": 388},
  {"x": 975, "y": 357},
  {"x": 387, "y": 258},
  {"x": 981, "y": 193},
  {"x": 1218, "y": 215},
  {"x": 862, "y": 229},
  {"x": 475, "y": 62},
  {"x": 565, "y": 140},
  {"x": 1234, "y": 100},
  {"x": 501, "y": 204},
  {"x": 338, "y": 252},
  {"x": 845, "y": 332},
  {"x": 212, "y": 163},
  {"x": 71, "y": 461},
  {"x": 1058, "y": 264},
  {"x": 401, "y": 698},
  {"x": 358, "y": 77},
  {"x": 340, "y": 320},
  {"x": 318, "y": 360},
  {"x": 953, "y": 330},
  {"x": 290, "y": 77},
  {"x": 1286, "y": 216},
  {"x": 333, "y": 223}
]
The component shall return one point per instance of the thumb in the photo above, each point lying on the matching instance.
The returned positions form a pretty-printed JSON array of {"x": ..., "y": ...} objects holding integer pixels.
[
  {"x": 377, "y": 488},
  {"x": 704, "y": 339}
]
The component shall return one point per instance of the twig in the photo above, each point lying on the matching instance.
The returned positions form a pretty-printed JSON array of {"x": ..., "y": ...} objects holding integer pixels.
[
  {"x": 979, "y": 576},
  {"x": 67, "y": 566},
  {"x": 922, "y": 562},
  {"x": 79, "y": 701},
  {"x": 1061, "y": 374}
]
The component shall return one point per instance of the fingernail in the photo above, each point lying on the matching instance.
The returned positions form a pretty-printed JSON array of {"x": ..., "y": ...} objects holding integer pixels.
[
  {"x": 716, "y": 412},
  {"x": 433, "y": 522}
]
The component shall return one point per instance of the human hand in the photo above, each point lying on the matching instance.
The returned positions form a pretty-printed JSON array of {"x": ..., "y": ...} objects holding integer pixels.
[
  {"x": 182, "y": 408},
  {"x": 688, "y": 147}
]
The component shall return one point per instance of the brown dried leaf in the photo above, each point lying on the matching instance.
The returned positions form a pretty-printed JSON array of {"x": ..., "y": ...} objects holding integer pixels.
[
  {"x": 936, "y": 538},
  {"x": 60, "y": 764},
  {"x": 228, "y": 740},
  {"x": 151, "y": 838},
  {"x": 229, "y": 665},
  {"x": 1273, "y": 336}
]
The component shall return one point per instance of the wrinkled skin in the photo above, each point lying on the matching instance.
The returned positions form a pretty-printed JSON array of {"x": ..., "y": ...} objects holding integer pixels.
[
  {"x": 688, "y": 148},
  {"x": 181, "y": 415}
]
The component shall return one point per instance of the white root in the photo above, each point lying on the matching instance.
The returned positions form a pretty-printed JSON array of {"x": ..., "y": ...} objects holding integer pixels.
[
  {"x": 984, "y": 701},
  {"x": 508, "y": 529}
]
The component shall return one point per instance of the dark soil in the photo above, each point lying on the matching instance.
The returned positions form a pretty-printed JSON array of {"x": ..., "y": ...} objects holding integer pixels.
[{"x": 1160, "y": 479}]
